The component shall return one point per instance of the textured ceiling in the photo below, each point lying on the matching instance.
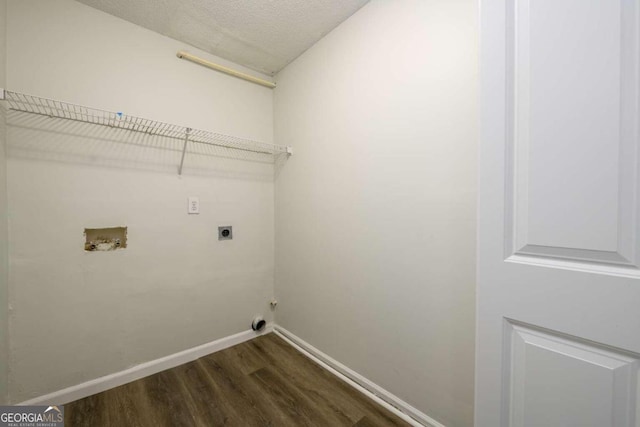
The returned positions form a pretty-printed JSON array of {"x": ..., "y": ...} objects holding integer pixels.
[{"x": 264, "y": 35}]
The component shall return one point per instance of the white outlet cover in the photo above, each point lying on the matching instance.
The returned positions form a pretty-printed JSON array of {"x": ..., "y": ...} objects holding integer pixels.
[{"x": 194, "y": 205}]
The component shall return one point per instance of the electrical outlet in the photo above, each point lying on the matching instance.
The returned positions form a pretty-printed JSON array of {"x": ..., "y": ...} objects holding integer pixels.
[
  {"x": 194, "y": 205},
  {"x": 225, "y": 232}
]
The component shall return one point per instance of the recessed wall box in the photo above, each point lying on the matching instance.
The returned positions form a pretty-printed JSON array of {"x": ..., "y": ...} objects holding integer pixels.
[{"x": 105, "y": 239}]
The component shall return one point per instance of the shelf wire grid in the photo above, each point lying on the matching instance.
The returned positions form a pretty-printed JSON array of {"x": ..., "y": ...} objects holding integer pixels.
[{"x": 65, "y": 110}]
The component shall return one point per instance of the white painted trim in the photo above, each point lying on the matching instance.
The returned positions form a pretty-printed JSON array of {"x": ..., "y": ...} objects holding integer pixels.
[
  {"x": 373, "y": 391},
  {"x": 143, "y": 370}
]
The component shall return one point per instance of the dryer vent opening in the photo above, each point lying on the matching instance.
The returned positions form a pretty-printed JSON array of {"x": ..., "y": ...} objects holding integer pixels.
[{"x": 258, "y": 324}]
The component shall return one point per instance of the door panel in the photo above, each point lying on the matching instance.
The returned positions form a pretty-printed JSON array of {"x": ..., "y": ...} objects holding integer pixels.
[
  {"x": 558, "y": 297},
  {"x": 557, "y": 380},
  {"x": 572, "y": 120}
]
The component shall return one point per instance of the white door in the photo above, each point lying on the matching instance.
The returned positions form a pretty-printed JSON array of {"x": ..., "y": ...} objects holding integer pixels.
[{"x": 558, "y": 338}]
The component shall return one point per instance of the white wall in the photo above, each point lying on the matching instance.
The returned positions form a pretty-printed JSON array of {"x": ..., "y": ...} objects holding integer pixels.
[
  {"x": 74, "y": 315},
  {"x": 4, "y": 335},
  {"x": 375, "y": 212}
]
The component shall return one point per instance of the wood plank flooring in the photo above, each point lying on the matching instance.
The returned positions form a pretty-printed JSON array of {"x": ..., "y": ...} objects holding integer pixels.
[{"x": 262, "y": 382}]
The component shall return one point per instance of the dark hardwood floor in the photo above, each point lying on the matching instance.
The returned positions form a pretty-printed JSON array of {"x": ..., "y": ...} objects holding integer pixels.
[{"x": 262, "y": 382}]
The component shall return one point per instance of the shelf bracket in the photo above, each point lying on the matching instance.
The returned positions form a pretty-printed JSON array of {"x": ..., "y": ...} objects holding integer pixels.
[{"x": 184, "y": 150}]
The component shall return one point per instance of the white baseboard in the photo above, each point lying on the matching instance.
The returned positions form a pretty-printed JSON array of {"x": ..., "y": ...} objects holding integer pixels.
[
  {"x": 143, "y": 370},
  {"x": 381, "y": 396}
]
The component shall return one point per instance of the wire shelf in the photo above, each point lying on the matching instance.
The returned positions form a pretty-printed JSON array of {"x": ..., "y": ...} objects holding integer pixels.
[{"x": 64, "y": 110}]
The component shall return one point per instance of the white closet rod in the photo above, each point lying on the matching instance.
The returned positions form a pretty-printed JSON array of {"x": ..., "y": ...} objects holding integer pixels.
[{"x": 223, "y": 69}]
